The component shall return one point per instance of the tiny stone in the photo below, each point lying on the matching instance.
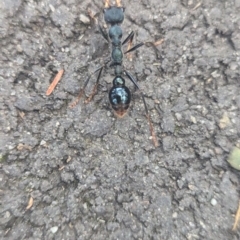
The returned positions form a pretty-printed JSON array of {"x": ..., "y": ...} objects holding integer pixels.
[
  {"x": 84, "y": 19},
  {"x": 19, "y": 48},
  {"x": 214, "y": 202},
  {"x": 54, "y": 229},
  {"x": 11, "y": 147},
  {"x": 215, "y": 74},
  {"x": 193, "y": 119},
  {"x": 224, "y": 121},
  {"x": 52, "y": 7},
  {"x": 43, "y": 142},
  {"x": 178, "y": 116},
  {"x": 175, "y": 215}
]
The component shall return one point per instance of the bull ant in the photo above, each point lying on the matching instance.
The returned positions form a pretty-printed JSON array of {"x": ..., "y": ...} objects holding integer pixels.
[{"x": 119, "y": 95}]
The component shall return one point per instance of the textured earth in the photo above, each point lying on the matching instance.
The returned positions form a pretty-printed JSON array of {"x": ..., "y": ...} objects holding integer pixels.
[{"x": 82, "y": 173}]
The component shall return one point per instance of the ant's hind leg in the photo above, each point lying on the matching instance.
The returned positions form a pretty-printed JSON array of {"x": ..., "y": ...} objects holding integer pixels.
[
  {"x": 74, "y": 103},
  {"x": 94, "y": 91},
  {"x": 154, "y": 138}
]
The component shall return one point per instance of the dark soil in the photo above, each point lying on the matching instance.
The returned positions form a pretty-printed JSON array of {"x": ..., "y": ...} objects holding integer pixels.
[{"x": 92, "y": 175}]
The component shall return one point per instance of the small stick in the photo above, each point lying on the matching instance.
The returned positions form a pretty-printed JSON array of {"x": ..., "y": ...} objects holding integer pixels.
[
  {"x": 154, "y": 138},
  {"x": 237, "y": 217},
  {"x": 30, "y": 203},
  {"x": 54, "y": 82},
  {"x": 197, "y": 6},
  {"x": 158, "y": 42}
]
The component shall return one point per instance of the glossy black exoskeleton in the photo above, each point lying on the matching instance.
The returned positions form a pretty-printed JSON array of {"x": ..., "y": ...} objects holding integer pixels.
[{"x": 119, "y": 94}]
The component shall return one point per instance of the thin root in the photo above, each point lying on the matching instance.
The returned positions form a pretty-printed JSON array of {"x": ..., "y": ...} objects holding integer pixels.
[
  {"x": 237, "y": 218},
  {"x": 154, "y": 138}
]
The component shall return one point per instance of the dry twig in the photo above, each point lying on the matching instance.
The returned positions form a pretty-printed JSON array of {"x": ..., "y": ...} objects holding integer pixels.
[{"x": 54, "y": 82}]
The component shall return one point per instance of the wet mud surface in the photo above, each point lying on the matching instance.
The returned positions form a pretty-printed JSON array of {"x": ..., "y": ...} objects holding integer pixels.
[{"x": 92, "y": 175}]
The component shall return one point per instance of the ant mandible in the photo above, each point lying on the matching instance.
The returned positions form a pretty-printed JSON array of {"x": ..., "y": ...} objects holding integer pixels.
[{"x": 119, "y": 94}]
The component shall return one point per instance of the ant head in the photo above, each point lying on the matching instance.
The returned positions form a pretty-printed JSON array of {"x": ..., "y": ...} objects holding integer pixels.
[{"x": 114, "y": 15}]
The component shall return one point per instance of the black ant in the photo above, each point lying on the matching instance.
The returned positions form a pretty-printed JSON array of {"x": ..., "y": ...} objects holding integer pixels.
[{"x": 119, "y": 95}]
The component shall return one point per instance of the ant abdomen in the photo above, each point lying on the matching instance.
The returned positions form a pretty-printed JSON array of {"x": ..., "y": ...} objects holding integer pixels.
[{"x": 119, "y": 96}]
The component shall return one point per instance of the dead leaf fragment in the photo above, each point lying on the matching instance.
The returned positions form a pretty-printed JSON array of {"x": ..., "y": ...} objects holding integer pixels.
[
  {"x": 21, "y": 147},
  {"x": 54, "y": 82},
  {"x": 21, "y": 114},
  {"x": 234, "y": 158},
  {"x": 30, "y": 203},
  {"x": 224, "y": 121},
  {"x": 237, "y": 218}
]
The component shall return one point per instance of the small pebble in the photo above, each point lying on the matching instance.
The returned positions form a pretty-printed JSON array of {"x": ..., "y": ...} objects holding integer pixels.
[
  {"x": 174, "y": 215},
  {"x": 84, "y": 19},
  {"x": 52, "y": 7},
  {"x": 54, "y": 229},
  {"x": 214, "y": 202},
  {"x": 43, "y": 142}
]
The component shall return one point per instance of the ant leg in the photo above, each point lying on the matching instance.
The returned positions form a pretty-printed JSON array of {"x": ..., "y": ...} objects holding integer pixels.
[
  {"x": 131, "y": 35},
  {"x": 74, "y": 103},
  {"x": 95, "y": 87},
  {"x": 104, "y": 34},
  {"x": 129, "y": 39},
  {"x": 130, "y": 43},
  {"x": 154, "y": 138},
  {"x": 130, "y": 48},
  {"x": 134, "y": 48},
  {"x": 153, "y": 44}
]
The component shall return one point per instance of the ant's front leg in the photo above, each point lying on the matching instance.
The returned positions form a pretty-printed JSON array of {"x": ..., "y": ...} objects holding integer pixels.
[
  {"x": 131, "y": 48},
  {"x": 104, "y": 34},
  {"x": 129, "y": 39}
]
